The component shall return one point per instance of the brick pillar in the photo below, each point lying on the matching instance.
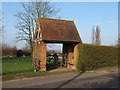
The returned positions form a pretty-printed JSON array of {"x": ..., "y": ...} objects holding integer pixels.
[{"x": 43, "y": 56}]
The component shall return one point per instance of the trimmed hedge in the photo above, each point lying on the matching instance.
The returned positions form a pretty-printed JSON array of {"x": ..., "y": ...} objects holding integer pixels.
[{"x": 95, "y": 56}]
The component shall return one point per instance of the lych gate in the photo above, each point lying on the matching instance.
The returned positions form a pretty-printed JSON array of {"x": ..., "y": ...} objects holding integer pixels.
[{"x": 55, "y": 31}]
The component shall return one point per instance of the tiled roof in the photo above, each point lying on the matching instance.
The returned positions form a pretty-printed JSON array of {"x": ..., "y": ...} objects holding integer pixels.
[{"x": 58, "y": 30}]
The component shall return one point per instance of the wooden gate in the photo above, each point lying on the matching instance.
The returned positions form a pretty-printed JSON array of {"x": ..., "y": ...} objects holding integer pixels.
[{"x": 56, "y": 61}]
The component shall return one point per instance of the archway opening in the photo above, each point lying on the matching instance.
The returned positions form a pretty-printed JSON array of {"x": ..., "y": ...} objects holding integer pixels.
[{"x": 54, "y": 56}]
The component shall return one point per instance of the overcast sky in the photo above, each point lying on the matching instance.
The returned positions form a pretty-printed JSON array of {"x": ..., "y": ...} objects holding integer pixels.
[{"x": 85, "y": 14}]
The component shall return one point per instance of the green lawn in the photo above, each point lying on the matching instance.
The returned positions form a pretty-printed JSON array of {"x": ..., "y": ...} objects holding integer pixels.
[
  {"x": 14, "y": 65},
  {"x": 17, "y": 66}
]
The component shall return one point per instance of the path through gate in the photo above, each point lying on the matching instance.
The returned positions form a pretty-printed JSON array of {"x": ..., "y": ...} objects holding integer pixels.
[{"x": 56, "y": 61}]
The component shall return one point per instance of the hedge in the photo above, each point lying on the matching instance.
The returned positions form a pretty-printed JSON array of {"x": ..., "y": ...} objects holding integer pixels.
[{"x": 96, "y": 56}]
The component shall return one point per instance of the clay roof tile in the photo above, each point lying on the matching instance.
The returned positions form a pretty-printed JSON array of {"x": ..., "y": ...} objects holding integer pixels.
[{"x": 58, "y": 30}]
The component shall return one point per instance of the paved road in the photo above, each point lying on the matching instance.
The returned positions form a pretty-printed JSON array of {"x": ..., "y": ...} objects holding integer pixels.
[{"x": 67, "y": 80}]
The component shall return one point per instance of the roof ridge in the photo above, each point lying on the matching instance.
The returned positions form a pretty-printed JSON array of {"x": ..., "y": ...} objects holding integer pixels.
[{"x": 54, "y": 19}]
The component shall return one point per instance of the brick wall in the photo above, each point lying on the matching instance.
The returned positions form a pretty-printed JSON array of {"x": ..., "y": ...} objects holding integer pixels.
[{"x": 39, "y": 52}]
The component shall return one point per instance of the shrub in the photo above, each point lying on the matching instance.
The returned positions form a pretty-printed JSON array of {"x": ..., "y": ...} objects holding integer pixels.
[
  {"x": 8, "y": 51},
  {"x": 95, "y": 56},
  {"x": 21, "y": 53}
]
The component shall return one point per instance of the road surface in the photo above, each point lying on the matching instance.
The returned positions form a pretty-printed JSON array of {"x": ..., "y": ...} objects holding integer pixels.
[{"x": 67, "y": 80}]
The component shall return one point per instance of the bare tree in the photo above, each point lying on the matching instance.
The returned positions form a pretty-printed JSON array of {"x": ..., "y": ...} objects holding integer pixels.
[
  {"x": 1, "y": 34},
  {"x": 8, "y": 50},
  {"x": 97, "y": 36},
  {"x": 28, "y": 17},
  {"x": 2, "y": 29},
  {"x": 93, "y": 36}
]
